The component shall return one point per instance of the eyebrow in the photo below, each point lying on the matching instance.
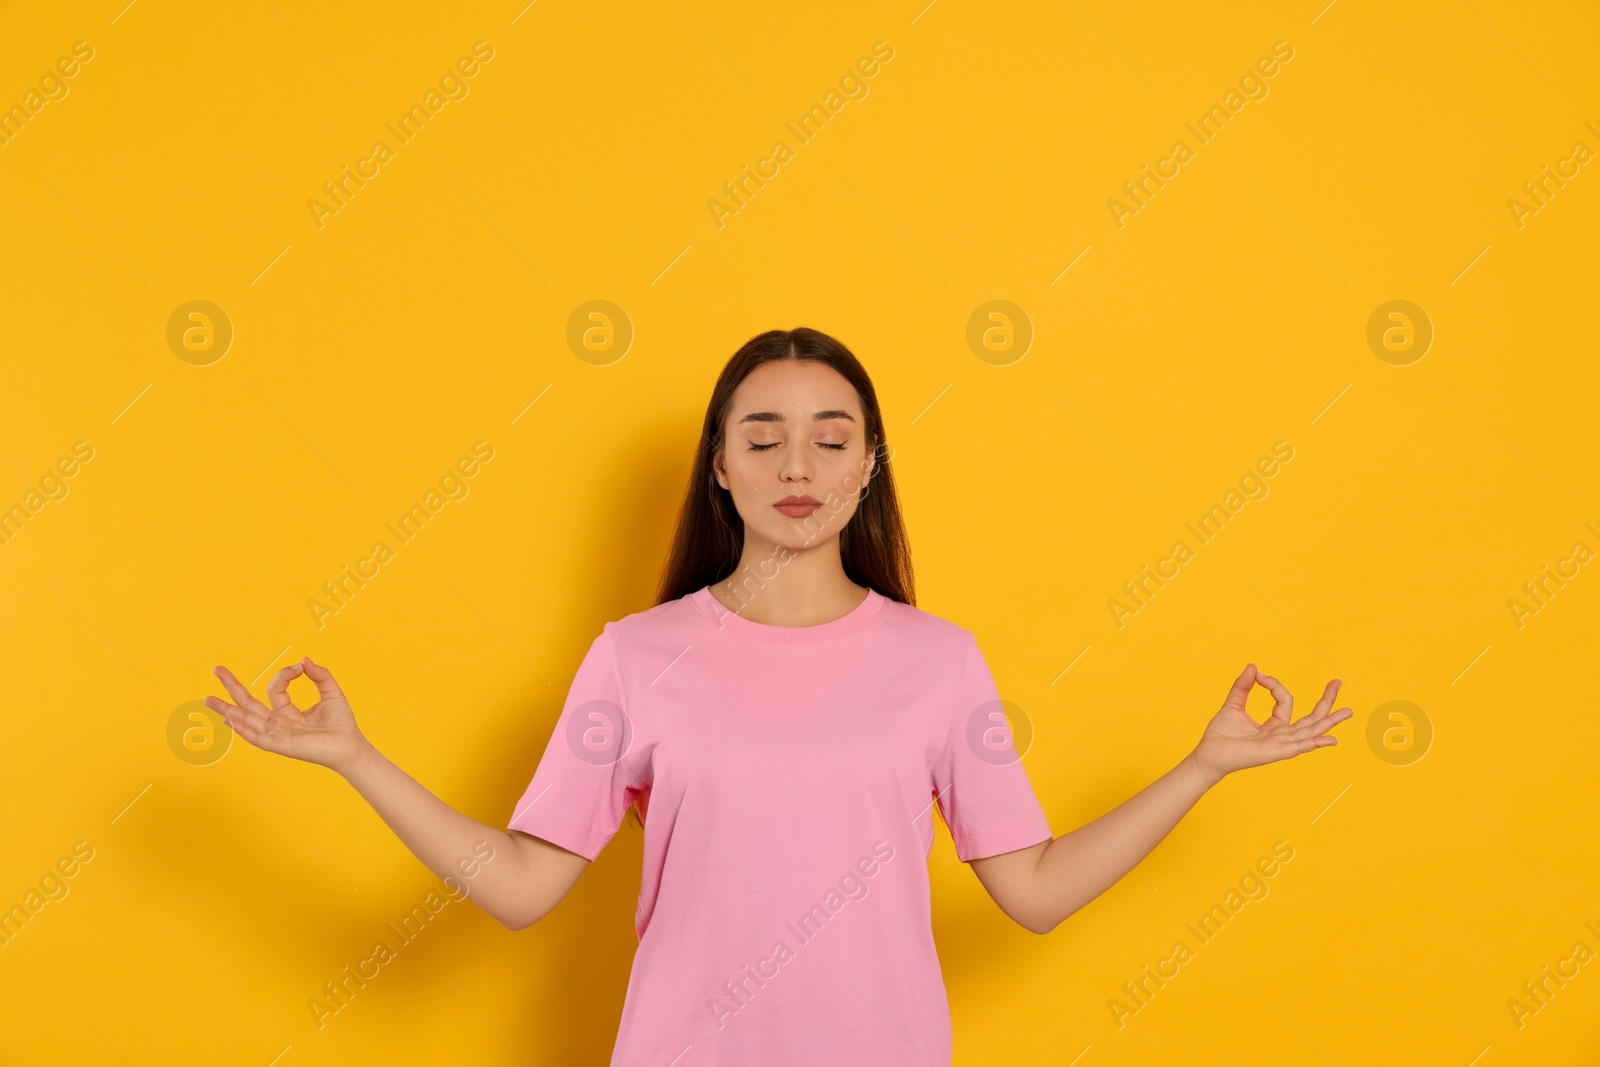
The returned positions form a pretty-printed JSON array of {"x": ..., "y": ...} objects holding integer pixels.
[{"x": 777, "y": 416}]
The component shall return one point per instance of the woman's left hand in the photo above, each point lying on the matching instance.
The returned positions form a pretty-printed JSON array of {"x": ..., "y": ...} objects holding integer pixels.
[{"x": 1233, "y": 740}]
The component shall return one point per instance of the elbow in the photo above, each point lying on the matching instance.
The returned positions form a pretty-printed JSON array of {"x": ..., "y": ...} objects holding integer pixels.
[
  {"x": 516, "y": 918},
  {"x": 521, "y": 920},
  {"x": 1040, "y": 923}
]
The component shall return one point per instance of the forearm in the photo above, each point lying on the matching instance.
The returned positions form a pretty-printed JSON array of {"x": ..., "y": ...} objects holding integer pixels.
[
  {"x": 1077, "y": 867},
  {"x": 443, "y": 838}
]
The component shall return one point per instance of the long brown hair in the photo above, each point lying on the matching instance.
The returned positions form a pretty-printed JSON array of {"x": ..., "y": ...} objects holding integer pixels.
[{"x": 710, "y": 535}]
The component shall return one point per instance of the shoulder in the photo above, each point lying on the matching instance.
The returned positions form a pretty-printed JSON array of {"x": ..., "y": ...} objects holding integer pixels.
[
  {"x": 925, "y": 630},
  {"x": 660, "y": 624},
  {"x": 670, "y": 625}
]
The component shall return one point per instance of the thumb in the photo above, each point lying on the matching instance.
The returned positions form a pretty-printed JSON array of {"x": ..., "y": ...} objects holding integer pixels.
[
  {"x": 322, "y": 678},
  {"x": 1242, "y": 685}
]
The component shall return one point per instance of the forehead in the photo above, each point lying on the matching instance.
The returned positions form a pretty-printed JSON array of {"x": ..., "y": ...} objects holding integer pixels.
[{"x": 796, "y": 391}]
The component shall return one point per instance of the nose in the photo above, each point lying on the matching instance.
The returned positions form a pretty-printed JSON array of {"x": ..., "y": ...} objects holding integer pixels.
[{"x": 796, "y": 466}]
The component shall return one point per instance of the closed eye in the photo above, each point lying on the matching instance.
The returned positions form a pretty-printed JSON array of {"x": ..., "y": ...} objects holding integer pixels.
[{"x": 824, "y": 444}]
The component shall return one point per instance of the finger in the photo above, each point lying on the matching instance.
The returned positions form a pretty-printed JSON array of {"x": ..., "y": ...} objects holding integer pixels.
[
  {"x": 278, "y": 688},
  {"x": 241, "y": 695},
  {"x": 235, "y": 717},
  {"x": 251, "y": 726},
  {"x": 1241, "y": 688},
  {"x": 1283, "y": 703},
  {"x": 221, "y": 707},
  {"x": 1289, "y": 748},
  {"x": 327, "y": 688},
  {"x": 1325, "y": 704},
  {"x": 1311, "y": 726}
]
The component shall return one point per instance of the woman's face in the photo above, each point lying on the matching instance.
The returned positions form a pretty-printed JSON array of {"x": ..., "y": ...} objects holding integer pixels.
[{"x": 795, "y": 429}]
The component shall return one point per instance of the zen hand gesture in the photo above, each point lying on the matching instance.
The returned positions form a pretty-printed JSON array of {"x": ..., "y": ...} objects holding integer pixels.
[
  {"x": 1233, "y": 740},
  {"x": 324, "y": 733}
]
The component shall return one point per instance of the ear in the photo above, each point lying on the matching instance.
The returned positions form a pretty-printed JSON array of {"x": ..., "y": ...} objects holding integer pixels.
[{"x": 718, "y": 470}]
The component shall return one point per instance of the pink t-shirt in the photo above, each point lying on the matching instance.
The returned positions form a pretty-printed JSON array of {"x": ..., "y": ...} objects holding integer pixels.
[{"x": 787, "y": 776}]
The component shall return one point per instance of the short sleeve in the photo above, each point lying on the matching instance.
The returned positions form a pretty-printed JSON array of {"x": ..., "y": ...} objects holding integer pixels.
[
  {"x": 582, "y": 788},
  {"x": 982, "y": 790}
]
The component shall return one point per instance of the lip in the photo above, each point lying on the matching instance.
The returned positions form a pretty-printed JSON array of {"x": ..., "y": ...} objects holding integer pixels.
[{"x": 798, "y": 507}]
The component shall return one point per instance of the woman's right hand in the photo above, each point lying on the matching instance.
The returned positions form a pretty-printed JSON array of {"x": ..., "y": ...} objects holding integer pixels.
[{"x": 324, "y": 733}]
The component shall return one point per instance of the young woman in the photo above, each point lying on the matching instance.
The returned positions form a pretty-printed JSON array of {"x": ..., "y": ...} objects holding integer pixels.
[{"x": 784, "y": 719}]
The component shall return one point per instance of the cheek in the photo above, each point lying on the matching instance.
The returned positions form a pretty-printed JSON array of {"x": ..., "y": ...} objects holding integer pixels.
[
  {"x": 745, "y": 472},
  {"x": 850, "y": 474}
]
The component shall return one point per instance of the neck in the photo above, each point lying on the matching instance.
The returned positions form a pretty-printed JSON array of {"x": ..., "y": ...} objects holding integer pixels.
[{"x": 782, "y": 586}]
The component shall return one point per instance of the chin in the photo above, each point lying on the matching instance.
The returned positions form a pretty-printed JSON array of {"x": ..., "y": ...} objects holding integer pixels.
[{"x": 795, "y": 534}]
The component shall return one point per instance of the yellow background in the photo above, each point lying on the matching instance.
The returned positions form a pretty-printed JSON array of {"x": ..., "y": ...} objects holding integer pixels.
[{"x": 369, "y": 354}]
